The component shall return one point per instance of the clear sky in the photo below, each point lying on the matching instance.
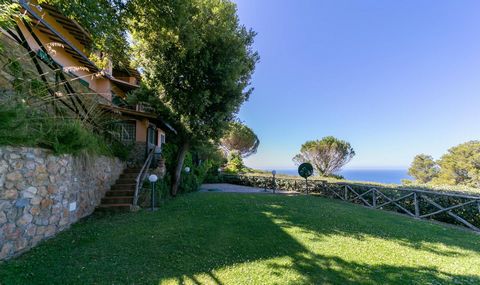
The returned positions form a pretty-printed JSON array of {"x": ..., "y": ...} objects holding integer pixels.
[{"x": 395, "y": 78}]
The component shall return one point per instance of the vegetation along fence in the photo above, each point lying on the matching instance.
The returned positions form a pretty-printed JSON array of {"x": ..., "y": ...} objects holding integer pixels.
[{"x": 453, "y": 208}]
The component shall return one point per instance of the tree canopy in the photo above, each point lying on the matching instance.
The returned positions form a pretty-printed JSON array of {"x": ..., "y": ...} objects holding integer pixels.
[
  {"x": 460, "y": 166},
  {"x": 327, "y": 155},
  {"x": 199, "y": 59},
  {"x": 423, "y": 168},
  {"x": 241, "y": 139}
]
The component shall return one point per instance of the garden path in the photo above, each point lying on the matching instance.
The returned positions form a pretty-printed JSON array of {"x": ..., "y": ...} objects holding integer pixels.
[{"x": 230, "y": 188}]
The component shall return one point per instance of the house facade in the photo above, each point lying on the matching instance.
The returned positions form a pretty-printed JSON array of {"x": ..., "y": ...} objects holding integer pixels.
[{"x": 62, "y": 43}]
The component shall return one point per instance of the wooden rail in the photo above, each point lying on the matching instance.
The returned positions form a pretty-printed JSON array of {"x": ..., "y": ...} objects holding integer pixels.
[{"x": 415, "y": 197}]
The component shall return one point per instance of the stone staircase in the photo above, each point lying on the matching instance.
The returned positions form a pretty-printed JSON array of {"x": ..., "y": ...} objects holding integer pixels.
[{"x": 120, "y": 196}]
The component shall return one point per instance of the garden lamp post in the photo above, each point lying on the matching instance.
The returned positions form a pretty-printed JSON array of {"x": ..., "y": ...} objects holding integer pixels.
[
  {"x": 274, "y": 184},
  {"x": 187, "y": 170},
  {"x": 153, "y": 179}
]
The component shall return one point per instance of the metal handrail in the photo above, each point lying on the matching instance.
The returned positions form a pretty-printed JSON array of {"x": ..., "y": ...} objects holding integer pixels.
[{"x": 142, "y": 175}]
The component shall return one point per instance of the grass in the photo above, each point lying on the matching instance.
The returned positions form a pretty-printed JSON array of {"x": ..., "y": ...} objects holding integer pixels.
[{"x": 218, "y": 238}]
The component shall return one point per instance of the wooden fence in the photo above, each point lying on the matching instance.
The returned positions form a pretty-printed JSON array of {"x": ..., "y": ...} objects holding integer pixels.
[{"x": 460, "y": 209}]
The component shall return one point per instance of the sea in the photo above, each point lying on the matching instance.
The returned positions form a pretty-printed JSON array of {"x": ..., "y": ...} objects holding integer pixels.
[{"x": 388, "y": 176}]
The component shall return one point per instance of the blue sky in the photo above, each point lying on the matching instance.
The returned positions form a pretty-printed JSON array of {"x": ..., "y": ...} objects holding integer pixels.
[{"x": 394, "y": 78}]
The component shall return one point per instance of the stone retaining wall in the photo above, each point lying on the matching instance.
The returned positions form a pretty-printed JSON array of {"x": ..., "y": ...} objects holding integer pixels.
[{"x": 42, "y": 194}]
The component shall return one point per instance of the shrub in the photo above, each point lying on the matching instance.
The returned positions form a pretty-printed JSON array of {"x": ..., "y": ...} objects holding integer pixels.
[
  {"x": 67, "y": 137},
  {"x": 21, "y": 126}
]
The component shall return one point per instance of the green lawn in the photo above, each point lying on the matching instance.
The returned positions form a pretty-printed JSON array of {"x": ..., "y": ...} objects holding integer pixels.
[{"x": 218, "y": 238}]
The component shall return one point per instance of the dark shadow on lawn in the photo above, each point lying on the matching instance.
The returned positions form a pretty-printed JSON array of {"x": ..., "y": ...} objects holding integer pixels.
[{"x": 201, "y": 233}]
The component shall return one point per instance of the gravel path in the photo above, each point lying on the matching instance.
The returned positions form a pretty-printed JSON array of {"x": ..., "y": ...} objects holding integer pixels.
[{"x": 230, "y": 188}]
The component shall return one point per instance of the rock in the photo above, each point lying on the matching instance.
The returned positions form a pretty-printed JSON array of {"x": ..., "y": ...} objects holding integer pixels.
[
  {"x": 6, "y": 250},
  {"x": 30, "y": 165},
  {"x": 41, "y": 230},
  {"x": 5, "y": 206},
  {"x": 14, "y": 176},
  {"x": 54, "y": 220},
  {"x": 8, "y": 185},
  {"x": 30, "y": 156},
  {"x": 3, "y": 218},
  {"x": 25, "y": 220},
  {"x": 41, "y": 180},
  {"x": 51, "y": 230},
  {"x": 41, "y": 169},
  {"x": 18, "y": 165},
  {"x": 42, "y": 191},
  {"x": 22, "y": 203},
  {"x": 2, "y": 180},
  {"x": 35, "y": 210},
  {"x": 14, "y": 156},
  {"x": 20, "y": 244},
  {"x": 46, "y": 203},
  {"x": 3, "y": 166},
  {"x": 11, "y": 231},
  {"x": 31, "y": 230},
  {"x": 51, "y": 189},
  {"x": 29, "y": 192},
  {"x": 36, "y": 239},
  {"x": 9, "y": 194},
  {"x": 21, "y": 184},
  {"x": 36, "y": 200},
  {"x": 52, "y": 168}
]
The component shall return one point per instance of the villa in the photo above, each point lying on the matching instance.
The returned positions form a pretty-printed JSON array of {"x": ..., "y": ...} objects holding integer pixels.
[{"x": 61, "y": 43}]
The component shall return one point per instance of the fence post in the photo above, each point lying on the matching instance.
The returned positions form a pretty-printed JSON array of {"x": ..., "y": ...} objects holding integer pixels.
[
  {"x": 295, "y": 185},
  {"x": 265, "y": 184},
  {"x": 346, "y": 193},
  {"x": 374, "y": 198},
  {"x": 415, "y": 203}
]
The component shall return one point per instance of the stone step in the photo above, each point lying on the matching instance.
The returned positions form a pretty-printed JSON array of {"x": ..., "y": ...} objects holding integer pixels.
[
  {"x": 120, "y": 193},
  {"x": 113, "y": 193},
  {"x": 114, "y": 207},
  {"x": 115, "y": 200},
  {"x": 125, "y": 181},
  {"x": 126, "y": 186},
  {"x": 128, "y": 176},
  {"x": 132, "y": 170}
]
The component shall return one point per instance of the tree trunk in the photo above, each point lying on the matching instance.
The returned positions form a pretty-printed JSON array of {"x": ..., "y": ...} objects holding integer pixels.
[{"x": 178, "y": 169}]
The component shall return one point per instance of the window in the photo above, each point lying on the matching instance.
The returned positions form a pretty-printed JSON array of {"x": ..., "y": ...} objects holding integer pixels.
[
  {"x": 162, "y": 138},
  {"x": 126, "y": 131}
]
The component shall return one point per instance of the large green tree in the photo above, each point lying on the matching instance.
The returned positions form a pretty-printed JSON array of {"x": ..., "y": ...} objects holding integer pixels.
[
  {"x": 199, "y": 59},
  {"x": 327, "y": 155},
  {"x": 460, "y": 165},
  {"x": 241, "y": 139},
  {"x": 423, "y": 168}
]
